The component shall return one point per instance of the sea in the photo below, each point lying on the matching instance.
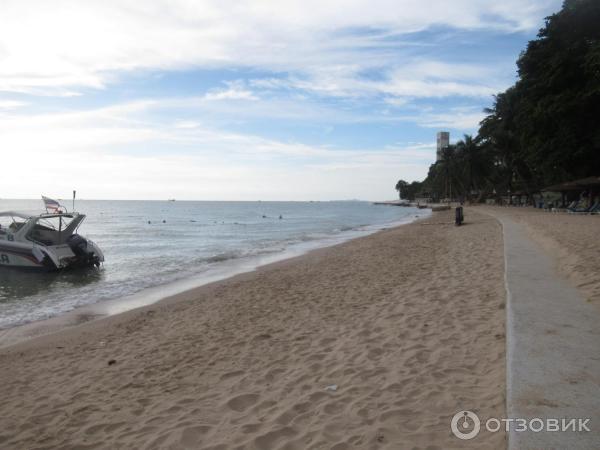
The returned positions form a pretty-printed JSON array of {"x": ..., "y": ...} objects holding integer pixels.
[{"x": 158, "y": 248}]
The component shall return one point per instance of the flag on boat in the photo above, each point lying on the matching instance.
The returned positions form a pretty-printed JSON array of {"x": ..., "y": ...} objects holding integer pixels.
[{"x": 51, "y": 205}]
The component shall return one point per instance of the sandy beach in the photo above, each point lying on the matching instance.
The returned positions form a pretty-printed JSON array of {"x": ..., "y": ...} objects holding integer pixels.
[
  {"x": 239, "y": 225},
  {"x": 571, "y": 240},
  {"x": 372, "y": 344}
]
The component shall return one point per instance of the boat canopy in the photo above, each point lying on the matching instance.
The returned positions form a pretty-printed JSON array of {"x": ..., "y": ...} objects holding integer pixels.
[
  {"x": 20, "y": 214},
  {"x": 27, "y": 216}
]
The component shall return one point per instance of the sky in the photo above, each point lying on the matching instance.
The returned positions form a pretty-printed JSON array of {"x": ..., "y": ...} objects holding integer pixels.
[{"x": 245, "y": 100}]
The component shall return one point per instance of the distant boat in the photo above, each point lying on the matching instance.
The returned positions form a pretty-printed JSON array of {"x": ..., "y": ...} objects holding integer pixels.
[
  {"x": 401, "y": 202},
  {"x": 171, "y": 200}
]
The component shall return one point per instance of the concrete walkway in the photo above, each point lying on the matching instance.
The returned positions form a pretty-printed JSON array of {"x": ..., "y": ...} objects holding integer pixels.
[{"x": 553, "y": 348}]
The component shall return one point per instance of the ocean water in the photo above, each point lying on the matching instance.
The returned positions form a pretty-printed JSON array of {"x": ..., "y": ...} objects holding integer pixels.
[{"x": 156, "y": 243}]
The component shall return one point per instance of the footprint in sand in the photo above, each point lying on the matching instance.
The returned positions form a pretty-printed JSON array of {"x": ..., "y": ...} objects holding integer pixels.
[
  {"x": 235, "y": 373},
  {"x": 341, "y": 446},
  {"x": 242, "y": 402},
  {"x": 275, "y": 437},
  {"x": 192, "y": 436},
  {"x": 375, "y": 353}
]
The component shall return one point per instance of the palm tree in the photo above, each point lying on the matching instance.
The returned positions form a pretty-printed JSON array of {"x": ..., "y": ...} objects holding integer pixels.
[
  {"x": 448, "y": 169},
  {"x": 474, "y": 163},
  {"x": 499, "y": 131},
  {"x": 401, "y": 185}
]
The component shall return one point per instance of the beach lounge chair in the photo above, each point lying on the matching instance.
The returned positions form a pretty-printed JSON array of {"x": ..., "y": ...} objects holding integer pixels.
[
  {"x": 596, "y": 209},
  {"x": 578, "y": 207},
  {"x": 567, "y": 208},
  {"x": 585, "y": 210}
]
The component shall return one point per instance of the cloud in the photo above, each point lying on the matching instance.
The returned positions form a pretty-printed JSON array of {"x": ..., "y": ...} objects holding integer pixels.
[
  {"x": 60, "y": 46},
  {"x": 119, "y": 152},
  {"x": 235, "y": 91},
  {"x": 11, "y": 104},
  {"x": 460, "y": 118},
  {"x": 306, "y": 65},
  {"x": 429, "y": 78},
  {"x": 230, "y": 94},
  {"x": 418, "y": 78},
  {"x": 186, "y": 124}
]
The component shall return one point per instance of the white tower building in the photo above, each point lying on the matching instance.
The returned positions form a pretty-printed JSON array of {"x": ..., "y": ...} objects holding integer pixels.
[{"x": 443, "y": 141}]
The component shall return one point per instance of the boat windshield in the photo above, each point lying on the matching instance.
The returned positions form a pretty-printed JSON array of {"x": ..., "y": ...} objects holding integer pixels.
[
  {"x": 9, "y": 224},
  {"x": 54, "y": 230}
]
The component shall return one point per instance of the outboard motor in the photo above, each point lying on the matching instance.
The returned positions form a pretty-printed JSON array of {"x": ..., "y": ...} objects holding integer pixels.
[{"x": 79, "y": 246}]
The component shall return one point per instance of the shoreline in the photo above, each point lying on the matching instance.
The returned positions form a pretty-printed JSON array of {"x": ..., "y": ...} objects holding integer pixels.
[
  {"x": 373, "y": 343},
  {"x": 92, "y": 312}
]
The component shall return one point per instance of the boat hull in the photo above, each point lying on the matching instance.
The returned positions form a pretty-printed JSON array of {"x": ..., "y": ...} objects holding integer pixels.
[
  {"x": 46, "y": 241},
  {"x": 16, "y": 255}
]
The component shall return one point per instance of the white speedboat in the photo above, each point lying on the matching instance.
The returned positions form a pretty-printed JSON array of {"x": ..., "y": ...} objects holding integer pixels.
[{"x": 45, "y": 241}]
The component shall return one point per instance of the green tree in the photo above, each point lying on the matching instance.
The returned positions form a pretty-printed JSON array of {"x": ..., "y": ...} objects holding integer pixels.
[
  {"x": 559, "y": 81},
  {"x": 475, "y": 165},
  {"x": 544, "y": 129},
  {"x": 444, "y": 176},
  {"x": 401, "y": 186}
]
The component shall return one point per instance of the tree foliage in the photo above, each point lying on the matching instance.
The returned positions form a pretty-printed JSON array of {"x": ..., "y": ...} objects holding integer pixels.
[
  {"x": 545, "y": 129},
  {"x": 408, "y": 191}
]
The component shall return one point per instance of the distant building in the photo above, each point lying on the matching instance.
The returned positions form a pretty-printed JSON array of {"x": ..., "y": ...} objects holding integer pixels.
[{"x": 443, "y": 141}]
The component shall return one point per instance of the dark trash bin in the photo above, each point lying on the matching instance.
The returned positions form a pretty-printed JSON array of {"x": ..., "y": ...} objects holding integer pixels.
[{"x": 458, "y": 216}]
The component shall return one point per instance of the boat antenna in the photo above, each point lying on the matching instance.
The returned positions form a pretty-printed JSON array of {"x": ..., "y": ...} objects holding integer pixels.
[{"x": 74, "y": 193}]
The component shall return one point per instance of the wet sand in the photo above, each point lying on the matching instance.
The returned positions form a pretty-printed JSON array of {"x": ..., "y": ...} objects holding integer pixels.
[{"x": 374, "y": 343}]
